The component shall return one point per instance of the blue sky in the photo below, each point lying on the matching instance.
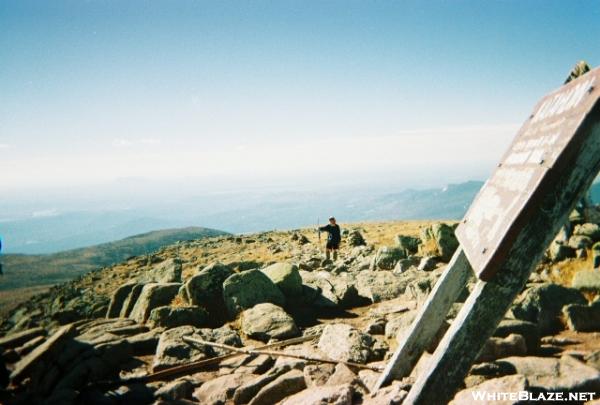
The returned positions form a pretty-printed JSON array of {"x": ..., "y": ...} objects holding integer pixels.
[{"x": 93, "y": 91}]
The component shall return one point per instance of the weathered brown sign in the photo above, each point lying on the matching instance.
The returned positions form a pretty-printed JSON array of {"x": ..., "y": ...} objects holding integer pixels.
[{"x": 542, "y": 146}]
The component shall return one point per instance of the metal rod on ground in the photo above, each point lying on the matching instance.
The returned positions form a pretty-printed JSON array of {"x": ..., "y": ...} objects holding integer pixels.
[
  {"x": 198, "y": 365},
  {"x": 429, "y": 320},
  {"x": 188, "y": 339}
]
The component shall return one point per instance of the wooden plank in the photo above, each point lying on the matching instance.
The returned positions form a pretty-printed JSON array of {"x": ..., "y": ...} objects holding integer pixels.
[
  {"x": 490, "y": 300},
  {"x": 429, "y": 319},
  {"x": 504, "y": 203}
]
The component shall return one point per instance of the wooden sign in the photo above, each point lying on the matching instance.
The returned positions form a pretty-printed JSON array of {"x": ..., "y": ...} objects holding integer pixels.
[{"x": 543, "y": 146}]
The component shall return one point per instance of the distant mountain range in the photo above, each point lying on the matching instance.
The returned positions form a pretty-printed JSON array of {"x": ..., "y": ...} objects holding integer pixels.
[
  {"x": 26, "y": 274},
  {"x": 240, "y": 211}
]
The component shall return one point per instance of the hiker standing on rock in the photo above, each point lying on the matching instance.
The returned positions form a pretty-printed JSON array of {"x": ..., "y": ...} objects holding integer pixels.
[{"x": 333, "y": 238}]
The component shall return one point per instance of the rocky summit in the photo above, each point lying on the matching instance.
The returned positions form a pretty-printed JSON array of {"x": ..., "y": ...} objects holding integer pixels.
[{"x": 264, "y": 319}]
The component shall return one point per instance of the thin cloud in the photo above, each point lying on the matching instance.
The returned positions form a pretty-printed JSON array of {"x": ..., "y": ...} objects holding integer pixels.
[
  {"x": 4, "y": 146},
  {"x": 122, "y": 143},
  {"x": 150, "y": 141}
]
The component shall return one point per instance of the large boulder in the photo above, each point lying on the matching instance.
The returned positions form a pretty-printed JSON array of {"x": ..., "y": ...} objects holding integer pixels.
[
  {"x": 528, "y": 330},
  {"x": 286, "y": 277},
  {"x": 344, "y": 343},
  {"x": 439, "y": 240},
  {"x": 153, "y": 295},
  {"x": 206, "y": 288},
  {"x": 167, "y": 271},
  {"x": 555, "y": 375},
  {"x": 172, "y": 317},
  {"x": 587, "y": 280},
  {"x": 506, "y": 384},
  {"x": 379, "y": 286},
  {"x": 542, "y": 304},
  {"x": 592, "y": 231},
  {"x": 118, "y": 299},
  {"x": 355, "y": 238},
  {"x": 245, "y": 290},
  {"x": 387, "y": 257},
  {"x": 582, "y": 318},
  {"x": 409, "y": 244},
  {"x": 559, "y": 251},
  {"x": 323, "y": 289},
  {"x": 265, "y": 321},
  {"x": 131, "y": 300}
]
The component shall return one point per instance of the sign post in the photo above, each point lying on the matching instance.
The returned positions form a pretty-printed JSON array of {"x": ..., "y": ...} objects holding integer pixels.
[{"x": 547, "y": 169}]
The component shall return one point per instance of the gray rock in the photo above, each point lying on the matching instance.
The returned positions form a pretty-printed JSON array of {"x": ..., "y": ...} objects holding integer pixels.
[
  {"x": 244, "y": 393},
  {"x": 266, "y": 321},
  {"x": 592, "y": 231},
  {"x": 286, "y": 278},
  {"x": 409, "y": 244},
  {"x": 118, "y": 299},
  {"x": 245, "y": 290},
  {"x": 556, "y": 375},
  {"x": 387, "y": 257},
  {"x": 153, "y": 295},
  {"x": 206, "y": 287},
  {"x": 542, "y": 304},
  {"x": 172, "y": 317},
  {"x": 317, "y": 374},
  {"x": 427, "y": 263},
  {"x": 172, "y": 350},
  {"x": 526, "y": 329},
  {"x": 283, "y": 386},
  {"x": 178, "y": 389},
  {"x": 439, "y": 240},
  {"x": 393, "y": 394},
  {"x": 587, "y": 280},
  {"x": 379, "y": 286},
  {"x": 144, "y": 343},
  {"x": 580, "y": 242},
  {"x": 43, "y": 352},
  {"x": 131, "y": 300},
  {"x": 345, "y": 343},
  {"x": 496, "y": 348},
  {"x": 342, "y": 375},
  {"x": 559, "y": 251},
  {"x": 506, "y": 384},
  {"x": 168, "y": 271},
  {"x": 14, "y": 340},
  {"x": 323, "y": 289},
  {"x": 582, "y": 318},
  {"x": 333, "y": 395},
  {"x": 220, "y": 390},
  {"x": 355, "y": 238},
  {"x": 404, "y": 265}
]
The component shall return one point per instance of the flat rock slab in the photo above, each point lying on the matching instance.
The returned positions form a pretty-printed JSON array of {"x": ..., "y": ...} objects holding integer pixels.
[
  {"x": 283, "y": 386},
  {"x": 554, "y": 375},
  {"x": 221, "y": 389},
  {"x": 582, "y": 318},
  {"x": 334, "y": 395},
  {"x": 17, "y": 339},
  {"x": 46, "y": 350},
  {"x": 508, "y": 384}
]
